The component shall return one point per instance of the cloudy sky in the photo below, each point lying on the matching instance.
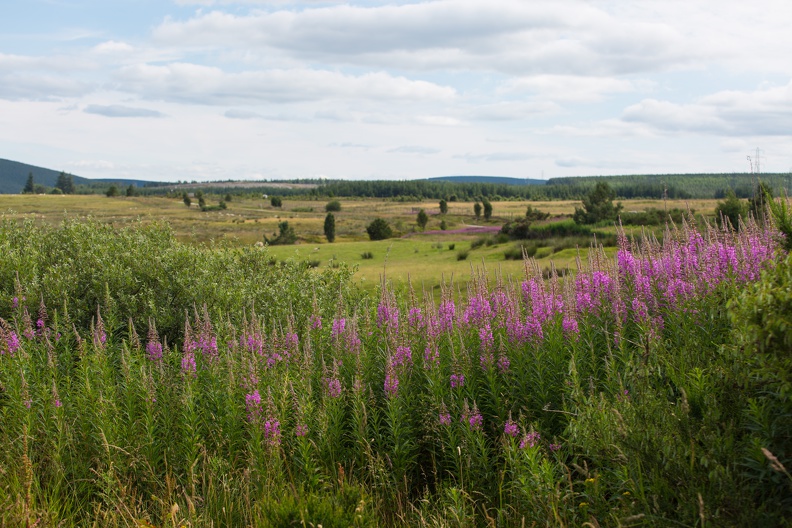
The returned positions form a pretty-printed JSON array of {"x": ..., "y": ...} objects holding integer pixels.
[{"x": 395, "y": 89}]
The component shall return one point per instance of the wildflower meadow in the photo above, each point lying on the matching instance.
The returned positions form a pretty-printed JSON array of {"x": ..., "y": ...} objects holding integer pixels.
[{"x": 147, "y": 383}]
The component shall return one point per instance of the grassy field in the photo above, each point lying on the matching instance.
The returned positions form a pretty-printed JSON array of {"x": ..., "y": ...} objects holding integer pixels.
[{"x": 423, "y": 257}]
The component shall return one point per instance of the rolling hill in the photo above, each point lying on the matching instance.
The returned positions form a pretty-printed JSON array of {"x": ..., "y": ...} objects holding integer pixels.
[
  {"x": 498, "y": 180},
  {"x": 14, "y": 174}
]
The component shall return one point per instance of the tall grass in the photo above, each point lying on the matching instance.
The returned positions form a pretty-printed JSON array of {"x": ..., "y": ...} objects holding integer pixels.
[{"x": 605, "y": 397}]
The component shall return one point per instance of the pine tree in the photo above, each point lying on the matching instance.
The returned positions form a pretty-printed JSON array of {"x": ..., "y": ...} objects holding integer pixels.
[
  {"x": 30, "y": 187},
  {"x": 329, "y": 227},
  {"x": 422, "y": 219},
  {"x": 65, "y": 183}
]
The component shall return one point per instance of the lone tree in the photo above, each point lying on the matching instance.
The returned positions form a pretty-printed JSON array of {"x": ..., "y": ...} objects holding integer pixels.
[
  {"x": 65, "y": 183},
  {"x": 285, "y": 236},
  {"x": 598, "y": 206},
  {"x": 30, "y": 186},
  {"x": 477, "y": 210},
  {"x": 443, "y": 207},
  {"x": 730, "y": 209},
  {"x": 487, "y": 209},
  {"x": 333, "y": 206},
  {"x": 422, "y": 219},
  {"x": 379, "y": 229},
  {"x": 329, "y": 227},
  {"x": 276, "y": 201}
]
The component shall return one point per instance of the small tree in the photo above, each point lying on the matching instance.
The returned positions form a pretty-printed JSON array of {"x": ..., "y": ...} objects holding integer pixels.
[
  {"x": 227, "y": 197},
  {"x": 131, "y": 191},
  {"x": 285, "y": 236},
  {"x": 477, "y": 210},
  {"x": 30, "y": 186},
  {"x": 443, "y": 207},
  {"x": 329, "y": 227},
  {"x": 443, "y": 225},
  {"x": 487, "y": 209},
  {"x": 333, "y": 206},
  {"x": 186, "y": 199},
  {"x": 730, "y": 209},
  {"x": 276, "y": 201},
  {"x": 111, "y": 192},
  {"x": 598, "y": 206},
  {"x": 422, "y": 219},
  {"x": 379, "y": 229}
]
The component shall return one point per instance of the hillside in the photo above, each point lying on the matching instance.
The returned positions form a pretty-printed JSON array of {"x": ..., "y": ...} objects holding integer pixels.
[{"x": 14, "y": 174}]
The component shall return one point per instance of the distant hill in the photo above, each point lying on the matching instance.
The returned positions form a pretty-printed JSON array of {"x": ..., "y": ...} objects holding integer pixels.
[
  {"x": 14, "y": 174},
  {"x": 497, "y": 180}
]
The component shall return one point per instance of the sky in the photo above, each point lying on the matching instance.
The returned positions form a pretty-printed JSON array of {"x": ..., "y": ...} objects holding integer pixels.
[{"x": 202, "y": 90}]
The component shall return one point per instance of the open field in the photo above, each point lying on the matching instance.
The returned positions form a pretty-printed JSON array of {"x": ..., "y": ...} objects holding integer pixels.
[{"x": 423, "y": 257}]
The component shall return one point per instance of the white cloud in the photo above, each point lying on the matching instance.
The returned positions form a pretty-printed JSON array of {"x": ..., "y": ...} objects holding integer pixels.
[
  {"x": 414, "y": 149},
  {"x": 763, "y": 112},
  {"x": 121, "y": 111},
  {"x": 199, "y": 84}
]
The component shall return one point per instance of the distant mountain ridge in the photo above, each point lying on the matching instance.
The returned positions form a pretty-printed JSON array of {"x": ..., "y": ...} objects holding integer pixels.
[
  {"x": 14, "y": 174},
  {"x": 496, "y": 180}
]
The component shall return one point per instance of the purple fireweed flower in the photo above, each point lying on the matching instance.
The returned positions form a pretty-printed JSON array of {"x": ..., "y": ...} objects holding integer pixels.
[
  {"x": 188, "y": 366},
  {"x": 153, "y": 347},
  {"x": 473, "y": 419},
  {"x": 57, "y": 403},
  {"x": 457, "y": 380},
  {"x": 570, "y": 326},
  {"x": 333, "y": 387},
  {"x": 272, "y": 432},
  {"x": 391, "y": 382},
  {"x": 11, "y": 340},
  {"x": 530, "y": 440},
  {"x": 478, "y": 311},
  {"x": 485, "y": 337},
  {"x": 444, "y": 419},
  {"x": 402, "y": 357},
  {"x": 301, "y": 430},
  {"x": 415, "y": 318},
  {"x": 316, "y": 324},
  {"x": 445, "y": 316},
  {"x": 338, "y": 328},
  {"x": 510, "y": 428},
  {"x": 253, "y": 405},
  {"x": 431, "y": 356},
  {"x": 486, "y": 360},
  {"x": 554, "y": 447},
  {"x": 503, "y": 363},
  {"x": 15, "y": 302},
  {"x": 28, "y": 403},
  {"x": 387, "y": 316}
]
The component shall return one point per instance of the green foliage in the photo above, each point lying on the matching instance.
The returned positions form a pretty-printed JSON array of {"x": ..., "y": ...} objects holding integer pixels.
[
  {"x": 131, "y": 190},
  {"x": 112, "y": 191},
  {"x": 186, "y": 199},
  {"x": 367, "y": 255},
  {"x": 463, "y": 254},
  {"x": 782, "y": 218},
  {"x": 523, "y": 229},
  {"x": 379, "y": 229},
  {"x": 730, "y": 211},
  {"x": 487, "y": 209},
  {"x": 477, "y": 210},
  {"x": 228, "y": 197},
  {"x": 654, "y": 217},
  {"x": 422, "y": 219},
  {"x": 286, "y": 235},
  {"x": 598, "y": 206},
  {"x": 333, "y": 206},
  {"x": 443, "y": 207},
  {"x": 276, "y": 201},
  {"x": 329, "y": 227},
  {"x": 443, "y": 225},
  {"x": 758, "y": 203},
  {"x": 533, "y": 214}
]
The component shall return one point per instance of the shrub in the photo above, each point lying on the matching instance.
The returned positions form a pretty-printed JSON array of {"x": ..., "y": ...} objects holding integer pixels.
[
  {"x": 451, "y": 247},
  {"x": 422, "y": 219},
  {"x": 333, "y": 206},
  {"x": 329, "y": 227},
  {"x": 516, "y": 252},
  {"x": 477, "y": 210},
  {"x": 462, "y": 254},
  {"x": 379, "y": 229},
  {"x": 598, "y": 206},
  {"x": 367, "y": 255},
  {"x": 276, "y": 201},
  {"x": 533, "y": 215},
  {"x": 487, "y": 209},
  {"x": 730, "y": 210},
  {"x": 285, "y": 236},
  {"x": 443, "y": 225},
  {"x": 443, "y": 207}
]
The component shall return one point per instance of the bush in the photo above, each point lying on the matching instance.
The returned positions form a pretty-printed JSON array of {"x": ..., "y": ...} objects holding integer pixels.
[
  {"x": 422, "y": 219},
  {"x": 443, "y": 225},
  {"x": 379, "y": 229},
  {"x": 598, "y": 206},
  {"x": 333, "y": 206},
  {"x": 516, "y": 252},
  {"x": 367, "y": 255},
  {"x": 533, "y": 215},
  {"x": 329, "y": 227},
  {"x": 285, "y": 236},
  {"x": 653, "y": 217},
  {"x": 463, "y": 254},
  {"x": 451, "y": 247},
  {"x": 276, "y": 201},
  {"x": 522, "y": 229},
  {"x": 730, "y": 210}
]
